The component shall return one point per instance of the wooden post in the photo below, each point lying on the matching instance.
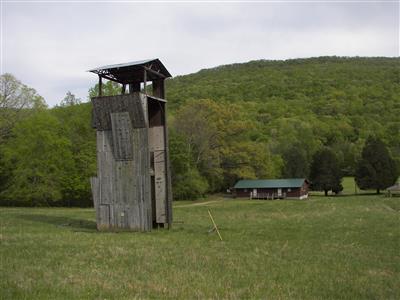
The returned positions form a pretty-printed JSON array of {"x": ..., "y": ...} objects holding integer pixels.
[
  {"x": 158, "y": 88},
  {"x": 134, "y": 87},
  {"x": 123, "y": 89},
  {"x": 168, "y": 172},
  {"x": 144, "y": 81},
  {"x": 100, "y": 86}
]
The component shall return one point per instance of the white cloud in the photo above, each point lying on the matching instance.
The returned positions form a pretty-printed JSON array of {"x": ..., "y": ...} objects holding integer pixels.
[{"x": 50, "y": 46}]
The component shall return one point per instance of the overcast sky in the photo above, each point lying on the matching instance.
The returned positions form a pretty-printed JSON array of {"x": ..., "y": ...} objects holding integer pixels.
[{"x": 49, "y": 46}]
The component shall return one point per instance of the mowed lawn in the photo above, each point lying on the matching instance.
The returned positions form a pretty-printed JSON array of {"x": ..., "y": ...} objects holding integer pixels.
[
  {"x": 349, "y": 188},
  {"x": 344, "y": 247}
]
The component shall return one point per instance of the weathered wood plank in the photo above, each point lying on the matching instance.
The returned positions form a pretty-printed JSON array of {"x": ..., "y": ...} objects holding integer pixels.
[
  {"x": 95, "y": 186},
  {"x": 168, "y": 172},
  {"x": 100, "y": 86},
  {"x": 104, "y": 218},
  {"x": 160, "y": 186},
  {"x": 122, "y": 136},
  {"x": 104, "y": 106},
  {"x": 157, "y": 147},
  {"x": 123, "y": 153},
  {"x": 143, "y": 100},
  {"x": 158, "y": 88},
  {"x": 142, "y": 175},
  {"x": 105, "y": 161},
  {"x": 156, "y": 138}
]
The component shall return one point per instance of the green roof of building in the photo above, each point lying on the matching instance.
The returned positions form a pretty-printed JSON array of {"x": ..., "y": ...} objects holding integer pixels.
[{"x": 269, "y": 183}]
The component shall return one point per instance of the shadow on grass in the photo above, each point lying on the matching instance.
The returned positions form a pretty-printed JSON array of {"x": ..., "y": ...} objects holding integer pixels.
[
  {"x": 348, "y": 195},
  {"x": 75, "y": 225},
  {"x": 360, "y": 195}
]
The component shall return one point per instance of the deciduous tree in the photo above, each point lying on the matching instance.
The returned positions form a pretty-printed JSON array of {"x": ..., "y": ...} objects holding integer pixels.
[
  {"x": 41, "y": 160},
  {"x": 110, "y": 88},
  {"x": 16, "y": 101},
  {"x": 70, "y": 99}
]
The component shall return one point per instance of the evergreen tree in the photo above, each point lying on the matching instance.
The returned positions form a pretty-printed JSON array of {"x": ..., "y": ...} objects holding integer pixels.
[
  {"x": 376, "y": 169},
  {"x": 325, "y": 174}
]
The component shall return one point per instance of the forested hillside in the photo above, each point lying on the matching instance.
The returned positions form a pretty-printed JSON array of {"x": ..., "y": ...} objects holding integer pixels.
[
  {"x": 262, "y": 119},
  {"x": 346, "y": 99},
  {"x": 298, "y": 106}
]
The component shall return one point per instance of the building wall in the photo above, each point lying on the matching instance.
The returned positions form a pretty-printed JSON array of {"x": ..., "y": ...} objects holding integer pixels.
[
  {"x": 129, "y": 192},
  {"x": 298, "y": 193},
  {"x": 304, "y": 190}
]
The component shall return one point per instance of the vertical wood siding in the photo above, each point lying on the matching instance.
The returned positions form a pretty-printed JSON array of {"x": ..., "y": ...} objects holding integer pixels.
[{"x": 122, "y": 190}]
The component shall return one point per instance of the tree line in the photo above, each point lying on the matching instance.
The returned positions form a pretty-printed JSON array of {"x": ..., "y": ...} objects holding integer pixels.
[{"x": 317, "y": 118}]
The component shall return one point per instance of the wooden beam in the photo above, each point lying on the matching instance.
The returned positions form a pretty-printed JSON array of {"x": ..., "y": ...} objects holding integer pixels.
[
  {"x": 108, "y": 77},
  {"x": 134, "y": 87},
  {"x": 158, "y": 88},
  {"x": 144, "y": 80},
  {"x": 168, "y": 171},
  {"x": 100, "y": 86},
  {"x": 154, "y": 72}
]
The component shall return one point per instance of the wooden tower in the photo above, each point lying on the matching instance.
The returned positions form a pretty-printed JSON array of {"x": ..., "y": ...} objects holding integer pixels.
[{"x": 132, "y": 189}]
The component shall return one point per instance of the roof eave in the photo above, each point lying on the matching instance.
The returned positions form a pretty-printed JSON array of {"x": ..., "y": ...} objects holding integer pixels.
[{"x": 105, "y": 70}]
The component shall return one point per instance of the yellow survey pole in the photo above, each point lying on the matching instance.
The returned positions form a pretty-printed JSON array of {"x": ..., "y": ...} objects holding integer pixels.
[{"x": 215, "y": 225}]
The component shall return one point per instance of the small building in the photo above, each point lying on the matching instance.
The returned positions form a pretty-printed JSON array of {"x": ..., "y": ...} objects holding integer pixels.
[
  {"x": 295, "y": 188},
  {"x": 393, "y": 190}
]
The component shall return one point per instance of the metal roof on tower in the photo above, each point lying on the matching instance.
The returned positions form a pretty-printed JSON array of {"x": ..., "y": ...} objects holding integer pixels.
[{"x": 132, "y": 72}]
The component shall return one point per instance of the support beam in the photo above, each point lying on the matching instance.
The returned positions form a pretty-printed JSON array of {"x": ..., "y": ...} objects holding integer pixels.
[
  {"x": 123, "y": 89},
  {"x": 154, "y": 72},
  {"x": 134, "y": 87},
  {"x": 100, "y": 86},
  {"x": 158, "y": 88},
  {"x": 168, "y": 172},
  {"x": 144, "y": 80}
]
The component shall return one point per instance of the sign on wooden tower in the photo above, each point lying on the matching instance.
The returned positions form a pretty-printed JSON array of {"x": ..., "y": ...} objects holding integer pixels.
[{"x": 132, "y": 189}]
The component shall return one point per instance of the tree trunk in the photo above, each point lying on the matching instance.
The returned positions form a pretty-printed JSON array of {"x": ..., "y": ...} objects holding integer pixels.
[
  {"x": 326, "y": 192},
  {"x": 378, "y": 191}
]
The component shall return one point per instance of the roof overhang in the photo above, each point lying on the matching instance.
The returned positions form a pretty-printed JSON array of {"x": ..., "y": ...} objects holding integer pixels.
[
  {"x": 133, "y": 72},
  {"x": 270, "y": 183}
]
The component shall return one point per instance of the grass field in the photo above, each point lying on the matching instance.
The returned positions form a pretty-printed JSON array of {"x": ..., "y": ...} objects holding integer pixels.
[
  {"x": 349, "y": 188},
  {"x": 322, "y": 248}
]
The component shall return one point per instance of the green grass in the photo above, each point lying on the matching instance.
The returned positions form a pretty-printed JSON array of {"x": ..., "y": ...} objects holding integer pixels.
[
  {"x": 349, "y": 188},
  {"x": 322, "y": 248}
]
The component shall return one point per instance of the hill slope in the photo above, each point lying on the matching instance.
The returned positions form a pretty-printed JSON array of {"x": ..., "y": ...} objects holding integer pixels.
[
  {"x": 313, "y": 79},
  {"x": 337, "y": 100}
]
